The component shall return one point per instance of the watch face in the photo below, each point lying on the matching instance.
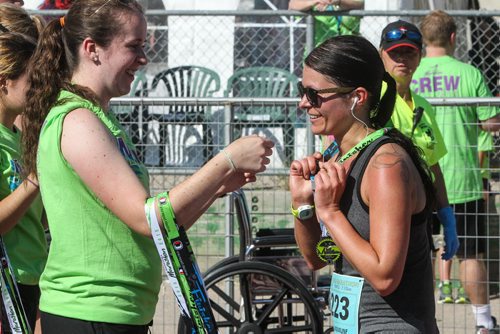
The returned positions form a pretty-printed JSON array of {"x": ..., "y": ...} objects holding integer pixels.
[{"x": 305, "y": 213}]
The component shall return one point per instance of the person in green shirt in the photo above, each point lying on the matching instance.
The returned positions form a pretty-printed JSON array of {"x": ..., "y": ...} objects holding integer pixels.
[
  {"x": 20, "y": 204},
  {"x": 440, "y": 75},
  {"x": 400, "y": 50},
  {"x": 103, "y": 273},
  {"x": 329, "y": 26}
]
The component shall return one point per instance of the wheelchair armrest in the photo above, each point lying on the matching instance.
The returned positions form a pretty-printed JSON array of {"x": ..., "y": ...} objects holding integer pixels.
[{"x": 274, "y": 237}]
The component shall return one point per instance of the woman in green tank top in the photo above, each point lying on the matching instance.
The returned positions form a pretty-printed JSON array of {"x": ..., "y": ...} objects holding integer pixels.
[
  {"x": 103, "y": 272},
  {"x": 23, "y": 237}
]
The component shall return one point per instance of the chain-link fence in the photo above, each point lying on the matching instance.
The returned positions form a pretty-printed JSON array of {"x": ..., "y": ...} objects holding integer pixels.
[
  {"x": 214, "y": 76},
  {"x": 228, "y": 41},
  {"x": 194, "y": 54},
  {"x": 225, "y": 41}
]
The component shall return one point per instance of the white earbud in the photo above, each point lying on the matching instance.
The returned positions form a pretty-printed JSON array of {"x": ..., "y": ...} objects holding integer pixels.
[{"x": 356, "y": 99}]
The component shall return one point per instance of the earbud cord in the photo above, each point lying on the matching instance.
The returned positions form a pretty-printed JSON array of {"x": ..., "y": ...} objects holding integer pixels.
[{"x": 359, "y": 120}]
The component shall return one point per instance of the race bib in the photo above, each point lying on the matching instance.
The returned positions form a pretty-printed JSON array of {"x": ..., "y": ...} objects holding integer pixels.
[{"x": 345, "y": 294}]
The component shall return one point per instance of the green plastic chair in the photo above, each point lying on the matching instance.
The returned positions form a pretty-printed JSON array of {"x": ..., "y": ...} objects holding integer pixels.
[
  {"x": 265, "y": 82},
  {"x": 184, "y": 81}
]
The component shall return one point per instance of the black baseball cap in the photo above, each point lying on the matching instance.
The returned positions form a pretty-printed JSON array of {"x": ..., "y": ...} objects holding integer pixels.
[{"x": 400, "y": 33}]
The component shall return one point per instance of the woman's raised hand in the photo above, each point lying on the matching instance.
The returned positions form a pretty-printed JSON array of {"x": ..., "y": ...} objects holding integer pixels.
[
  {"x": 250, "y": 154},
  {"x": 300, "y": 175},
  {"x": 330, "y": 183}
]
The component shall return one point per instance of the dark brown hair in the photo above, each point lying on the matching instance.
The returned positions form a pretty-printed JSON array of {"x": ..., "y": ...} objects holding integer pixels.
[
  {"x": 17, "y": 40},
  {"x": 352, "y": 61},
  {"x": 15, "y": 52}
]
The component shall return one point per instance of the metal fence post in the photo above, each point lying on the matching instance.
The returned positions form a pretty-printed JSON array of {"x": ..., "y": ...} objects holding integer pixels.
[
  {"x": 228, "y": 203},
  {"x": 309, "y": 47}
]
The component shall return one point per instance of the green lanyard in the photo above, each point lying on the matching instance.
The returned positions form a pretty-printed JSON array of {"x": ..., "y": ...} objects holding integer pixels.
[
  {"x": 181, "y": 267},
  {"x": 364, "y": 143},
  {"x": 326, "y": 249}
]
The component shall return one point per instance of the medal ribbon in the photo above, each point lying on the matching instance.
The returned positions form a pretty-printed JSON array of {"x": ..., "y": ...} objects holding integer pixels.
[
  {"x": 181, "y": 267},
  {"x": 332, "y": 150},
  {"x": 10, "y": 295}
]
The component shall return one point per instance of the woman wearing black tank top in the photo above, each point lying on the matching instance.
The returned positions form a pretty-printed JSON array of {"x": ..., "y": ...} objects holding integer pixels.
[{"x": 370, "y": 200}]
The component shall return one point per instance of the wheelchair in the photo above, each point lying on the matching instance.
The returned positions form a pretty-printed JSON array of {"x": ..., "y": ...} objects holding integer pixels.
[{"x": 268, "y": 287}]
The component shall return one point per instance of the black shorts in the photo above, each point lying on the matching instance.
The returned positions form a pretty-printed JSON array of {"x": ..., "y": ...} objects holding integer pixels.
[
  {"x": 436, "y": 224},
  {"x": 54, "y": 324},
  {"x": 434, "y": 230},
  {"x": 30, "y": 296},
  {"x": 471, "y": 229}
]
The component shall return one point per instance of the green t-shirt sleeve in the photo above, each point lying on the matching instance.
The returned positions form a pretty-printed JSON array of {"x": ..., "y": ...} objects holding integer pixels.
[
  {"x": 4, "y": 172},
  {"x": 484, "y": 112},
  {"x": 485, "y": 141},
  {"x": 439, "y": 150}
]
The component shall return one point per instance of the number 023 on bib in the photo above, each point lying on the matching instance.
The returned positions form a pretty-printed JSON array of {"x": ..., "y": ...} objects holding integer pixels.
[{"x": 345, "y": 294}]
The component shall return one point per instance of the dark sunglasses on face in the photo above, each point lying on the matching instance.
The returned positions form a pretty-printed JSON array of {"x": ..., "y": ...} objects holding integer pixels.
[
  {"x": 312, "y": 94},
  {"x": 396, "y": 35}
]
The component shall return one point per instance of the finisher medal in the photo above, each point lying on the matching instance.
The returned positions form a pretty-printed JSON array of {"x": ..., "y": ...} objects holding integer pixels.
[{"x": 327, "y": 250}]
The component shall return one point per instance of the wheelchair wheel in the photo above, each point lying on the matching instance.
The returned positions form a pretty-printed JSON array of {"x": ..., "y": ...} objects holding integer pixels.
[
  {"x": 257, "y": 297},
  {"x": 222, "y": 264}
]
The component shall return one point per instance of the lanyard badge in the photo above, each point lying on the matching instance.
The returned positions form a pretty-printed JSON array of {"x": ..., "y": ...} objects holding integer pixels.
[{"x": 326, "y": 249}]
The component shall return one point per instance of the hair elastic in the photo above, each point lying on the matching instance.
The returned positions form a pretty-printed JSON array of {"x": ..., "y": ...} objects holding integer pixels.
[
  {"x": 229, "y": 160},
  {"x": 32, "y": 182},
  {"x": 61, "y": 21}
]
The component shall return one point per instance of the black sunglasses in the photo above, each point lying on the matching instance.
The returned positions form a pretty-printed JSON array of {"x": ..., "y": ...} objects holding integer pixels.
[
  {"x": 312, "y": 94},
  {"x": 396, "y": 35}
]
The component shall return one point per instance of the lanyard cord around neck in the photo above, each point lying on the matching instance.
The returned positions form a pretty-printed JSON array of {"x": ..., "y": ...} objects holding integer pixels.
[{"x": 334, "y": 149}]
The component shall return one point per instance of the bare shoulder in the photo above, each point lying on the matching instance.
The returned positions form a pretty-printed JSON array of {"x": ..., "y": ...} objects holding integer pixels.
[
  {"x": 83, "y": 123},
  {"x": 84, "y": 133},
  {"x": 392, "y": 177},
  {"x": 391, "y": 166},
  {"x": 81, "y": 117},
  {"x": 390, "y": 156}
]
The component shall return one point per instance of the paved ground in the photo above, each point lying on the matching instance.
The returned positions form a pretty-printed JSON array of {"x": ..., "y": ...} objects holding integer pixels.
[{"x": 451, "y": 318}]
